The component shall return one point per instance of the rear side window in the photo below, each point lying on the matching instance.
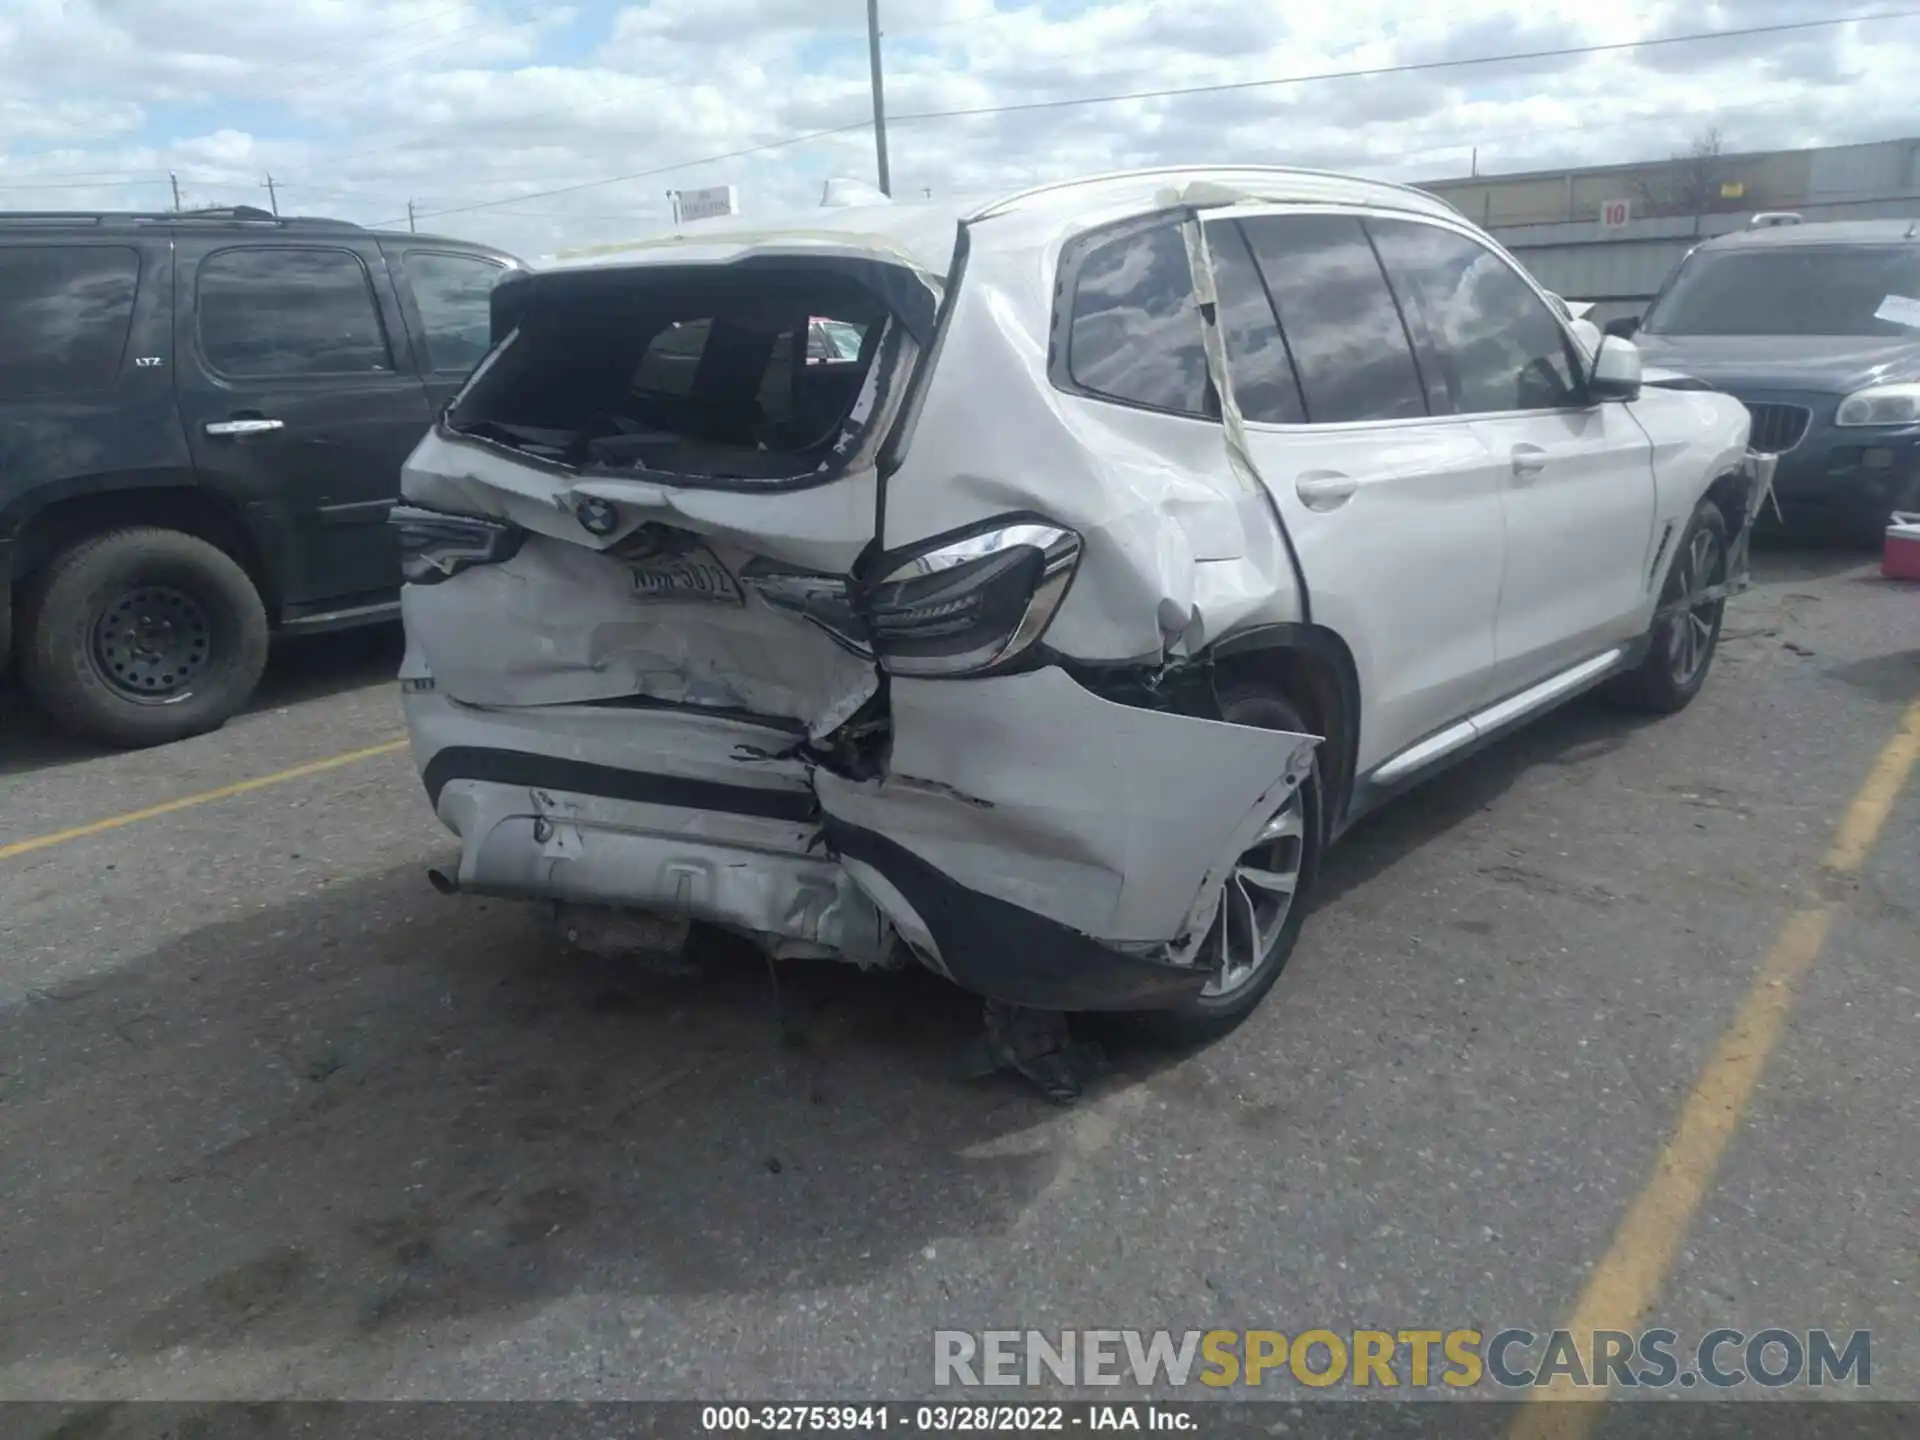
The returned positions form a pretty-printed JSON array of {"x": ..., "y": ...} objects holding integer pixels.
[
  {"x": 64, "y": 316},
  {"x": 1349, "y": 345},
  {"x": 271, "y": 312},
  {"x": 1263, "y": 381},
  {"x": 453, "y": 293},
  {"x": 1499, "y": 345},
  {"x": 1134, "y": 334}
]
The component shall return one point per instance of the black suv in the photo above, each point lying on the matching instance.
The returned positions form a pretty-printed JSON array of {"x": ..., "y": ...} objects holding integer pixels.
[
  {"x": 203, "y": 416},
  {"x": 1817, "y": 328}
]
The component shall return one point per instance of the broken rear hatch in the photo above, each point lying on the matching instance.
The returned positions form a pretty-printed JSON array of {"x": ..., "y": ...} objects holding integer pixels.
[{"x": 677, "y": 476}]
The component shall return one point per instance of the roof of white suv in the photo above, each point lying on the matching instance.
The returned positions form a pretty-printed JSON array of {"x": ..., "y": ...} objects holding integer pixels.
[{"x": 922, "y": 232}]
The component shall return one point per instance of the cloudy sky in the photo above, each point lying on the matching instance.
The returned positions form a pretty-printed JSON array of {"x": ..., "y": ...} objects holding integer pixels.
[{"x": 464, "y": 107}]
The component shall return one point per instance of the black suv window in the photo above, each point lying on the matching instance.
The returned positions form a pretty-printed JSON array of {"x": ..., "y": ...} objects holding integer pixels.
[
  {"x": 453, "y": 293},
  {"x": 1349, "y": 345},
  {"x": 64, "y": 314},
  {"x": 1263, "y": 381},
  {"x": 1135, "y": 334},
  {"x": 273, "y": 311},
  {"x": 1498, "y": 344}
]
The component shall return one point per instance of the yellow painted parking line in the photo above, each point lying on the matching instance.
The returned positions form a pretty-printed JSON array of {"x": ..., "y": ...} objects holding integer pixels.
[
  {"x": 205, "y": 797},
  {"x": 1626, "y": 1283}
]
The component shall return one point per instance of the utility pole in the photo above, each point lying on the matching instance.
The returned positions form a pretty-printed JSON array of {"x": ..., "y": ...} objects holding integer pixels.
[
  {"x": 879, "y": 96},
  {"x": 673, "y": 200},
  {"x": 176, "y": 188},
  {"x": 273, "y": 195},
  {"x": 1476, "y": 161},
  {"x": 412, "y": 228}
]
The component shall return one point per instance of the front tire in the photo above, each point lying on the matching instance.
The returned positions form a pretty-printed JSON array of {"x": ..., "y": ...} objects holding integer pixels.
[
  {"x": 142, "y": 636},
  {"x": 1253, "y": 938},
  {"x": 1683, "y": 645}
]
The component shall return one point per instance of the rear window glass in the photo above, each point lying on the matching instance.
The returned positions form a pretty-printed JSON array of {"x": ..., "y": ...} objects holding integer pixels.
[
  {"x": 683, "y": 372},
  {"x": 1135, "y": 333},
  {"x": 282, "y": 311},
  {"x": 1263, "y": 381},
  {"x": 1348, "y": 342},
  {"x": 64, "y": 316},
  {"x": 1811, "y": 290},
  {"x": 453, "y": 293}
]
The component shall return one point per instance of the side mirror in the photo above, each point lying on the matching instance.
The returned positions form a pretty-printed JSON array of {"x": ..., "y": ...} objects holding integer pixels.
[
  {"x": 1626, "y": 326},
  {"x": 1616, "y": 371}
]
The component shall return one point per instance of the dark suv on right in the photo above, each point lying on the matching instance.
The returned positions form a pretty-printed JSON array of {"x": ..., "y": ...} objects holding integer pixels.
[
  {"x": 202, "y": 421},
  {"x": 1816, "y": 327}
]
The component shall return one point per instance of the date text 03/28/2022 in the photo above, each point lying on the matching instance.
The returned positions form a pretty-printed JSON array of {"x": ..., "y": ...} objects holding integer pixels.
[{"x": 942, "y": 1419}]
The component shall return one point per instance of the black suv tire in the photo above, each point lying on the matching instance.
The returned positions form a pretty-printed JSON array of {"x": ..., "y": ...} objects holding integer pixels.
[{"x": 141, "y": 636}]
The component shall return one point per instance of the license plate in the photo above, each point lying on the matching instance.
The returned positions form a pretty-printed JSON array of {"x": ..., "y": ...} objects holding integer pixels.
[{"x": 696, "y": 575}]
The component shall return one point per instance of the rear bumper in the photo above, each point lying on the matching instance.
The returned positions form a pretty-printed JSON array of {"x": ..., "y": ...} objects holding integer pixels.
[
  {"x": 1004, "y": 951},
  {"x": 545, "y": 810},
  {"x": 1038, "y": 845}
]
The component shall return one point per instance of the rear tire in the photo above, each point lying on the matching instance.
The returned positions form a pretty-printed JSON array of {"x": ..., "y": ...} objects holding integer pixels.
[
  {"x": 1210, "y": 1016},
  {"x": 141, "y": 636},
  {"x": 1677, "y": 660}
]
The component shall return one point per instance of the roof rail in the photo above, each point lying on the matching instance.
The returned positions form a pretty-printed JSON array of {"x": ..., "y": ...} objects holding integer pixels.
[
  {"x": 1767, "y": 219},
  {"x": 1006, "y": 202},
  {"x": 215, "y": 215}
]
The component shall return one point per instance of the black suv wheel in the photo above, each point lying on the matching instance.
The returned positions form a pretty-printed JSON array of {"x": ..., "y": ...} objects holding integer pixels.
[{"x": 141, "y": 636}]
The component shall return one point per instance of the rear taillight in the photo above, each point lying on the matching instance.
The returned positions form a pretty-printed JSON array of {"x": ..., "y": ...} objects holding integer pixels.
[
  {"x": 435, "y": 547},
  {"x": 970, "y": 603}
]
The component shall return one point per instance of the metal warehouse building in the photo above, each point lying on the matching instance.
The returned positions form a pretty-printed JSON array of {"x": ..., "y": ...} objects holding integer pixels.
[{"x": 1612, "y": 233}]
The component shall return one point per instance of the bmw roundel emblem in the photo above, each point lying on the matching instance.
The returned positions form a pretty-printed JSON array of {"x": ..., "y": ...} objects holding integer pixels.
[{"x": 598, "y": 517}]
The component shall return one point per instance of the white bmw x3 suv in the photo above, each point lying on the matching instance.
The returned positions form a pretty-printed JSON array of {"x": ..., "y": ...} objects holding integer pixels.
[{"x": 1158, "y": 526}]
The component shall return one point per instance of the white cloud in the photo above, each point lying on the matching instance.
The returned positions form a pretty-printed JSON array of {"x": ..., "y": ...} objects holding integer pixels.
[{"x": 357, "y": 106}]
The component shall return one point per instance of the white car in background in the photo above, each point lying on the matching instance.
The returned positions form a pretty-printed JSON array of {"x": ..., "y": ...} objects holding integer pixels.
[{"x": 1161, "y": 526}]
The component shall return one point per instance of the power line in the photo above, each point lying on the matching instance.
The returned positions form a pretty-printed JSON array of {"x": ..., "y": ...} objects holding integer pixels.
[
  {"x": 86, "y": 185},
  {"x": 390, "y": 30},
  {"x": 1564, "y": 52},
  {"x": 486, "y": 25},
  {"x": 1368, "y": 72}
]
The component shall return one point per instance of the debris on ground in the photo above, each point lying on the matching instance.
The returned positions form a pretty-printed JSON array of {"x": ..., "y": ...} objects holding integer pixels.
[{"x": 1033, "y": 1043}]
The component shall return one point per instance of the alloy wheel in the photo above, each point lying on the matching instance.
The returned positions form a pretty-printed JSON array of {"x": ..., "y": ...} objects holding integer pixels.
[
  {"x": 1256, "y": 901},
  {"x": 1700, "y": 572}
]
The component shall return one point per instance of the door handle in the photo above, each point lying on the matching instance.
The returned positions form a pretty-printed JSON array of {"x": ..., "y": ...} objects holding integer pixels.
[
  {"x": 1528, "y": 461},
  {"x": 256, "y": 426},
  {"x": 1325, "y": 489}
]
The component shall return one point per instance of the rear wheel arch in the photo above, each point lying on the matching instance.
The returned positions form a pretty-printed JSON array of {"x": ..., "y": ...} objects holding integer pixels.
[
  {"x": 55, "y": 527},
  {"x": 1313, "y": 667}
]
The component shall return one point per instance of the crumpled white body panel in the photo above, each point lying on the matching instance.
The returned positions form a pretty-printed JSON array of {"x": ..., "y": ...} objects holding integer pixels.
[
  {"x": 1181, "y": 545},
  {"x": 1108, "y": 819},
  {"x": 559, "y": 624}
]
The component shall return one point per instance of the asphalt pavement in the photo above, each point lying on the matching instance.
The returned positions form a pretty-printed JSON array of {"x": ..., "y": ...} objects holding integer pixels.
[{"x": 277, "y": 1119}]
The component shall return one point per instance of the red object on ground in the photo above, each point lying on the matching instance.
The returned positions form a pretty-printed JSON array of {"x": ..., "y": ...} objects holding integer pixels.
[{"x": 1901, "y": 560}]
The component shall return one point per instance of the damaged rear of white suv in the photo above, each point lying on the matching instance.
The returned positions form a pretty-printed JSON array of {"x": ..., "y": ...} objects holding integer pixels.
[{"x": 1131, "y": 538}]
